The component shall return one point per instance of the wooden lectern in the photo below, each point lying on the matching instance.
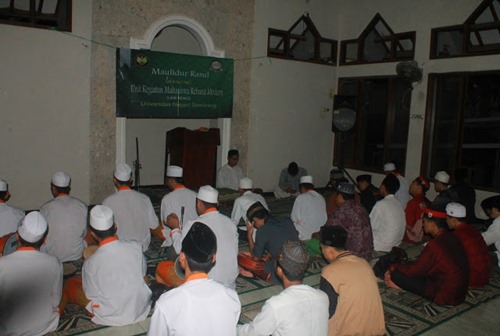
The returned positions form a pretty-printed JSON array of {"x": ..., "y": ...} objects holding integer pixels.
[{"x": 195, "y": 152}]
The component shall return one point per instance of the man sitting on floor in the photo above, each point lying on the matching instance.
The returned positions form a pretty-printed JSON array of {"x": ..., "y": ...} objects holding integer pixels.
[
  {"x": 402, "y": 193},
  {"x": 226, "y": 269},
  {"x": 179, "y": 202},
  {"x": 288, "y": 184},
  {"x": 475, "y": 247},
  {"x": 445, "y": 194},
  {"x": 271, "y": 235},
  {"x": 491, "y": 207},
  {"x": 355, "y": 220},
  {"x": 30, "y": 283},
  {"x": 349, "y": 282},
  {"x": 112, "y": 288},
  {"x": 67, "y": 220},
  {"x": 133, "y": 211},
  {"x": 10, "y": 217},
  {"x": 299, "y": 309},
  {"x": 230, "y": 174},
  {"x": 309, "y": 209},
  {"x": 441, "y": 272},
  {"x": 369, "y": 194},
  {"x": 201, "y": 306},
  {"x": 247, "y": 198},
  {"x": 387, "y": 217},
  {"x": 415, "y": 208}
]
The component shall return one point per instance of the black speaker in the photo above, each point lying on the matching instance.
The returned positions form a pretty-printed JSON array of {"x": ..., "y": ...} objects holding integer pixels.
[{"x": 344, "y": 113}]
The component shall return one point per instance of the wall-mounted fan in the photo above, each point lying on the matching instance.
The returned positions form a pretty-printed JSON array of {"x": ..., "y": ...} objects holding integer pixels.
[{"x": 409, "y": 71}]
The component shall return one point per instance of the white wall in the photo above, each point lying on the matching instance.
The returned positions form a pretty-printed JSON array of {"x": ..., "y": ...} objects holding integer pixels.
[
  {"x": 44, "y": 113},
  {"x": 288, "y": 121},
  {"x": 403, "y": 16}
]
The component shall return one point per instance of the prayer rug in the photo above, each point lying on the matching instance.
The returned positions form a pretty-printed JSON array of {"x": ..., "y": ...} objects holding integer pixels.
[{"x": 405, "y": 313}]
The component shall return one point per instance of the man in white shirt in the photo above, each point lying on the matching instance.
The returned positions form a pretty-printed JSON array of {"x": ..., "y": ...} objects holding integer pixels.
[
  {"x": 309, "y": 209},
  {"x": 30, "y": 283},
  {"x": 226, "y": 269},
  {"x": 67, "y": 219},
  {"x": 299, "y": 309},
  {"x": 133, "y": 211},
  {"x": 112, "y": 288},
  {"x": 388, "y": 217},
  {"x": 10, "y": 217},
  {"x": 289, "y": 181},
  {"x": 201, "y": 306},
  {"x": 179, "y": 202},
  {"x": 247, "y": 198},
  {"x": 403, "y": 193},
  {"x": 230, "y": 174},
  {"x": 491, "y": 207}
]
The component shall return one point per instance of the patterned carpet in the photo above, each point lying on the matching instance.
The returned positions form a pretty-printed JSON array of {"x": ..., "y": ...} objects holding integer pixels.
[{"x": 405, "y": 313}]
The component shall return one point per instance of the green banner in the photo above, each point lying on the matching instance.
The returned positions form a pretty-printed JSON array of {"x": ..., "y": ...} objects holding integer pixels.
[{"x": 152, "y": 84}]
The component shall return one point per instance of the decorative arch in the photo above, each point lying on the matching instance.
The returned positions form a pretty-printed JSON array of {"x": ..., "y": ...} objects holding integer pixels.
[{"x": 208, "y": 49}]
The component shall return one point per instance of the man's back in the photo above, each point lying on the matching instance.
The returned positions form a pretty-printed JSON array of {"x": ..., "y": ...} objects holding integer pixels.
[
  {"x": 477, "y": 254},
  {"x": 10, "y": 217},
  {"x": 226, "y": 267},
  {"x": 388, "y": 223},
  {"x": 242, "y": 203},
  {"x": 355, "y": 220},
  {"x": 30, "y": 291},
  {"x": 113, "y": 281},
  {"x": 198, "y": 307},
  {"x": 359, "y": 308},
  {"x": 308, "y": 213},
  {"x": 67, "y": 220},
  {"x": 298, "y": 310},
  {"x": 134, "y": 215},
  {"x": 173, "y": 203}
]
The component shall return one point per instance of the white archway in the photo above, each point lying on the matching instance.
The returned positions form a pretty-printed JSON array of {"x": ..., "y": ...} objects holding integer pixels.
[{"x": 208, "y": 49}]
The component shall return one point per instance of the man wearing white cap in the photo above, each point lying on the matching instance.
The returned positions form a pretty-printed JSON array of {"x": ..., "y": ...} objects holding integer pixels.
[
  {"x": 133, "y": 211},
  {"x": 10, "y": 217},
  {"x": 446, "y": 195},
  {"x": 403, "y": 193},
  {"x": 112, "y": 288},
  {"x": 309, "y": 209},
  {"x": 226, "y": 269},
  {"x": 230, "y": 174},
  {"x": 477, "y": 251},
  {"x": 179, "y": 202},
  {"x": 247, "y": 198},
  {"x": 30, "y": 283},
  {"x": 67, "y": 220}
]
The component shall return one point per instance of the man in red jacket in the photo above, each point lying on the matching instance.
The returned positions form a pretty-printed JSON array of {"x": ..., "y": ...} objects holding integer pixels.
[
  {"x": 477, "y": 252},
  {"x": 441, "y": 272},
  {"x": 414, "y": 210}
]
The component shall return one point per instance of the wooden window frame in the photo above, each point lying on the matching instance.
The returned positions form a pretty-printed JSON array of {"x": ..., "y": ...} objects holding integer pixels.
[
  {"x": 286, "y": 37},
  {"x": 35, "y": 18},
  {"x": 395, "y": 39},
  {"x": 467, "y": 28}
]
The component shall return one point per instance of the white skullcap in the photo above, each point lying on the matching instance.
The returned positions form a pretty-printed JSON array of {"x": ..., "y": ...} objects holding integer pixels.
[
  {"x": 174, "y": 171},
  {"x": 306, "y": 179},
  {"x": 3, "y": 185},
  {"x": 455, "y": 210},
  {"x": 101, "y": 217},
  {"x": 246, "y": 183},
  {"x": 61, "y": 179},
  {"x": 208, "y": 194},
  {"x": 442, "y": 176},
  {"x": 123, "y": 172},
  {"x": 33, "y": 227},
  {"x": 389, "y": 167}
]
